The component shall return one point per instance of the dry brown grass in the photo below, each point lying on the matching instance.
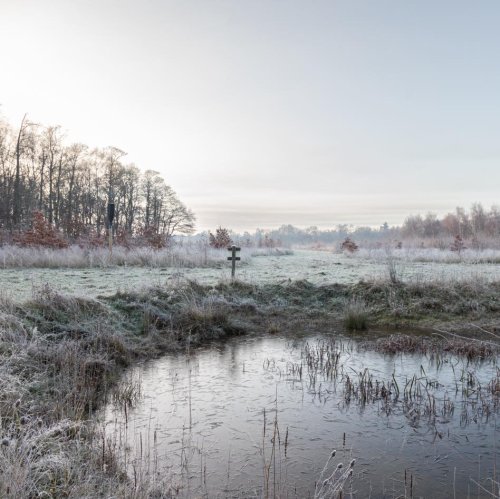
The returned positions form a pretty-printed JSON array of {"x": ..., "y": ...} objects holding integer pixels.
[{"x": 471, "y": 348}]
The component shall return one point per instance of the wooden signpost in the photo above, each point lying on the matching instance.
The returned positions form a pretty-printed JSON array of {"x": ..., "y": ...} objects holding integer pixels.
[
  {"x": 233, "y": 258},
  {"x": 111, "y": 216}
]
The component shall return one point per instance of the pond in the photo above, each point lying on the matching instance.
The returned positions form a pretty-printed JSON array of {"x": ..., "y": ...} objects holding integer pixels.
[{"x": 260, "y": 417}]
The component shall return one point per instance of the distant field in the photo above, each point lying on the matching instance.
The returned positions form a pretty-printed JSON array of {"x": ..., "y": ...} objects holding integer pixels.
[{"x": 318, "y": 267}]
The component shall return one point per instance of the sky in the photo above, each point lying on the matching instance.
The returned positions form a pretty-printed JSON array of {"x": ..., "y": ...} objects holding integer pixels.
[{"x": 267, "y": 112}]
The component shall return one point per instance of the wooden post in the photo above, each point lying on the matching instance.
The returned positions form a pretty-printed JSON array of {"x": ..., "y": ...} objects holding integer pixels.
[
  {"x": 233, "y": 258},
  {"x": 110, "y": 237},
  {"x": 111, "y": 216}
]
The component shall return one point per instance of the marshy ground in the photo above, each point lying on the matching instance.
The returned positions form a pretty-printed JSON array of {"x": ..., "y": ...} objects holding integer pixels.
[{"x": 61, "y": 357}]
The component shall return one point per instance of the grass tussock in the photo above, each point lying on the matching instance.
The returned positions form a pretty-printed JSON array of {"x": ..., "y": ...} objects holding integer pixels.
[{"x": 356, "y": 315}]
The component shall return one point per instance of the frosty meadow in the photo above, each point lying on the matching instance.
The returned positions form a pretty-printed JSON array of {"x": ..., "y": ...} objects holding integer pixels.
[
  {"x": 138, "y": 362},
  {"x": 82, "y": 415},
  {"x": 249, "y": 249}
]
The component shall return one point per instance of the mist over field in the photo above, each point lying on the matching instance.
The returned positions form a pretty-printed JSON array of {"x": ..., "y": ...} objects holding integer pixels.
[{"x": 264, "y": 114}]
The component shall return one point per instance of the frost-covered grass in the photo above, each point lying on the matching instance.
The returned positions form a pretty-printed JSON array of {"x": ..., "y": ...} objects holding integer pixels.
[
  {"x": 76, "y": 257},
  {"x": 48, "y": 377},
  {"x": 270, "y": 252},
  {"x": 317, "y": 267},
  {"x": 176, "y": 256},
  {"x": 60, "y": 356},
  {"x": 333, "y": 478},
  {"x": 413, "y": 254}
]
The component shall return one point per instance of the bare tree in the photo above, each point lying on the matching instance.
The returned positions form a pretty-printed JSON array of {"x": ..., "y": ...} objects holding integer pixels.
[
  {"x": 71, "y": 185},
  {"x": 22, "y": 144}
]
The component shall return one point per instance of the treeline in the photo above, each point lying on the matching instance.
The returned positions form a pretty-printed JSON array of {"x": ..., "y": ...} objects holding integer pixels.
[
  {"x": 71, "y": 184},
  {"x": 289, "y": 235},
  {"x": 478, "y": 223},
  {"x": 480, "y": 226}
]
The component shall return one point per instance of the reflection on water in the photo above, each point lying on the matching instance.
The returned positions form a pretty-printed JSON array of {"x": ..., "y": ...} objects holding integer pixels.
[{"x": 260, "y": 417}]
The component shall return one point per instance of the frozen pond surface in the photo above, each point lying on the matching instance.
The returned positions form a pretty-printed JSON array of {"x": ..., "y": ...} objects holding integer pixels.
[
  {"x": 262, "y": 415},
  {"x": 319, "y": 267}
]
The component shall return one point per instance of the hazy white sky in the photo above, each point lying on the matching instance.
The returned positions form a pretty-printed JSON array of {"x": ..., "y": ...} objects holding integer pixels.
[{"x": 263, "y": 112}]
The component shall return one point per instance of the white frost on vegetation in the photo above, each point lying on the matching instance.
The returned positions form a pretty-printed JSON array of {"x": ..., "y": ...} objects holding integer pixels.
[
  {"x": 77, "y": 257},
  {"x": 412, "y": 254},
  {"x": 271, "y": 252},
  {"x": 317, "y": 267}
]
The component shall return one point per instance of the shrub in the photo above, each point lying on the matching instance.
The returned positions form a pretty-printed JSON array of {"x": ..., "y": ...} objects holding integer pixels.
[
  {"x": 221, "y": 238},
  {"x": 41, "y": 234},
  {"x": 122, "y": 238},
  {"x": 268, "y": 242},
  {"x": 458, "y": 244},
  {"x": 349, "y": 245},
  {"x": 153, "y": 238}
]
